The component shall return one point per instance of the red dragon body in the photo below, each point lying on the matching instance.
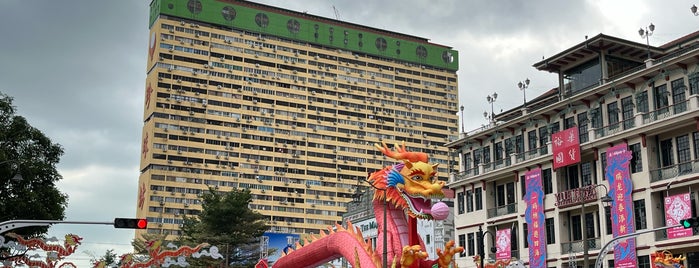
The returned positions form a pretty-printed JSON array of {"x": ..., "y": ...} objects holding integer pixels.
[{"x": 407, "y": 188}]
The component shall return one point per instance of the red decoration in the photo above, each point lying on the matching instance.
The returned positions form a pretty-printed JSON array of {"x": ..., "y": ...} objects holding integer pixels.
[{"x": 566, "y": 148}]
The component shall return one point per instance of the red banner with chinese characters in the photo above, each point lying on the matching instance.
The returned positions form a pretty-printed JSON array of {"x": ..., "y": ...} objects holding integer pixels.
[
  {"x": 677, "y": 208},
  {"x": 566, "y": 147},
  {"x": 503, "y": 244}
]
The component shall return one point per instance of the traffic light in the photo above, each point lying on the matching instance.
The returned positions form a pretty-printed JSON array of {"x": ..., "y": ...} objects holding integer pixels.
[
  {"x": 690, "y": 223},
  {"x": 129, "y": 223}
]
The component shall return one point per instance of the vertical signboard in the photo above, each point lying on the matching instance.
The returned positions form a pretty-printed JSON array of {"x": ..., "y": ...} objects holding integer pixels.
[
  {"x": 534, "y": 216},
  {"x": 617, "y": 173},
  {"x": 677, "y": 208},
  {"x": 503, "y": 244},
  {"x": 566, "y": 147}
]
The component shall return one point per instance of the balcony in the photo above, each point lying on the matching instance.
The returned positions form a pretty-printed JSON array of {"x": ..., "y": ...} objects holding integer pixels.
[
  {"x": 577, "y": 246},
  {"x": 673, "y": 171},
  {"x": 502, "y": 210}
]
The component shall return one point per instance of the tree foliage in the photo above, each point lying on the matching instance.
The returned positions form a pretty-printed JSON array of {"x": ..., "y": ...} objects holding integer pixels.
[
  {"x": 109, "y": 258},
  {"x": 227, "y": 222},
  {"x": 28, "y": 173}
]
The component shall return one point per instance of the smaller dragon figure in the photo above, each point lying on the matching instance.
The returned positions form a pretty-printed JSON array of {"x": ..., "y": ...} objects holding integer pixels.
[
  {"x": 54, "y": 252},
  {"x": 664, "y": 259},
  {"x": 160, "y": 257},
  {"x": 497, "y": 264},
  {"x": 407, "y": 189}
]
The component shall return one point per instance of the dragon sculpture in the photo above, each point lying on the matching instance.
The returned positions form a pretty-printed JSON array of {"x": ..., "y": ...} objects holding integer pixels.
[
  {"x": 54, "y": 252},
  {"x": 665, "y": 259},
  {"x": 407, "y": 188},
  {"x": 159, "y": 257}
]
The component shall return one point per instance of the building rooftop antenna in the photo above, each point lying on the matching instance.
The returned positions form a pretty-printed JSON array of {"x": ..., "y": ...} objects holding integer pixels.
[{"x": 337, "y": 13}]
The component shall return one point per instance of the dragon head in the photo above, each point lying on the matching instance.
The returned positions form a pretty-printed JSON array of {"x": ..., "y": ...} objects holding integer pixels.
[
  {"x": 411, "y": 185},
  {"x": 73, "y": 240}
]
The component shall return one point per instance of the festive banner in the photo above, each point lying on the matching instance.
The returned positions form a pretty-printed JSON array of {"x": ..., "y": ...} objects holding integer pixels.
[
  {"x": 566, "y": 147},
  {"x": 677, "y": 208},
  {"x": 534, "y": 216},
  {"x": 617, "y": 173},
  {"x": 503, "y": 244}
]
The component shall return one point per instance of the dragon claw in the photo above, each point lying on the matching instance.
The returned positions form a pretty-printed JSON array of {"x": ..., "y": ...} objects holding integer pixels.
[
  {"x": 411, "y": 254},
  {"x": 446, "y": 256}
]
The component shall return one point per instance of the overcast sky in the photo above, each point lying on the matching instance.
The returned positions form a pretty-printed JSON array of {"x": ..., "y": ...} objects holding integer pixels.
[{"x": 76, "y": 70}]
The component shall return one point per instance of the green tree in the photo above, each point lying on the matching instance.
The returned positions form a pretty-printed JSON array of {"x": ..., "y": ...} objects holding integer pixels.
[
  {"x": 227, "y": 222},
  {"x": 109, "y": 259},
  {"x": 28, "y": 172}
]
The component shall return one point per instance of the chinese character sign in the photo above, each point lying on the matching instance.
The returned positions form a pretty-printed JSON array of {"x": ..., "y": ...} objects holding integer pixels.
[
  {"x": 566, "y": 147},
  {"x": 677, "y": 208},
  {"x": 617, "y": 173},
  {"x": 503, "y": 244},
  {"x": 534, "y": 216}
]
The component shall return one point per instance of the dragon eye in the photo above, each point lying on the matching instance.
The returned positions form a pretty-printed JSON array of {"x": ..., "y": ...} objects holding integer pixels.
[{"x": 416, "y": 178}]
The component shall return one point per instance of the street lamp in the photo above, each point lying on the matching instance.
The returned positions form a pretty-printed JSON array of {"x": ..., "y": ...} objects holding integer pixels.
[
  {"x": 694, "y": 10},
  {"x": 481, "y": 243},
  {"x": 385, "y": 208},
  {"x": 646, "y": 34},
  {"x": 491, "y": 99},
  {"x": 523, "y": 85},
  {"x": 586, "y": 246},
  {"x": 462, "y": 118}
]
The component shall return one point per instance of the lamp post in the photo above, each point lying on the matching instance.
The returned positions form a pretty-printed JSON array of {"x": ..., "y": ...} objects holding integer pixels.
[
  {"x": 694, "y": 10},
  {"x": 481, "y": 243},
  {"x": 385, "y": 229},
  {"x": 586, "y": 246},
  {"x": 491, "y": 99},
  {"x": 523, "y": 85},
  {"x": 646, "y": 34},
  {"x": 462, "y": 118}
]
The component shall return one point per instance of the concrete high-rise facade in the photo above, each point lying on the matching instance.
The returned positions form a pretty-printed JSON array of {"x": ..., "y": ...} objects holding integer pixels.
[{"x": 286, "y": 104}]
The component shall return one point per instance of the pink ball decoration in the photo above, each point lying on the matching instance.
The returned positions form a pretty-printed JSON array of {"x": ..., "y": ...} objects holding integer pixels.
[{"x": 440, "y": 211}]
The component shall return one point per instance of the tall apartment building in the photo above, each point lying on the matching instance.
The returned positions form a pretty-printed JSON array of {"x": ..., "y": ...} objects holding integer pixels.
[
  {"x": 614, "y": 92},
  {"x": 286, "y": 104}
]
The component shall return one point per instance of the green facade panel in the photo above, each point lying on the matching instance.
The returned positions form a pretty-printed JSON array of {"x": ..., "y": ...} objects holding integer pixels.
[{"x": 308, "y": 28}]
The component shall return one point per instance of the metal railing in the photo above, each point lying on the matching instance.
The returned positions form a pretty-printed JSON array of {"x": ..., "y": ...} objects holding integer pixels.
[
  {"x": 578, "y": 246},
  {"x": 673, "y": 171},
  {"x": 502, "y": 210}
]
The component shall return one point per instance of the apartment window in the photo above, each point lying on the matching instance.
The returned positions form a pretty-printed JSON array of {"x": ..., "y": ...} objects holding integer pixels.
[
  {"x": 486, "y": 155},
  {"x": 460, "y": 202},
  {"x": 505, "y": 194},
  {"x": 582, "y": 127},
  {"x": 695, "y": 136},
  {"x": 627, "y": 112},
  {"x": 608, "y": 219},
  {"x": 586, "y": 173},
  {"x": 479, "y": 198},
  {"x": 613, "y": 115},
  {"x": 639, "y": 210},
  {"x": 523, "y": 185},
  {"x": 636, "y": 163},
  {"x": 569, "y": 122},
  {"x": 532, "y": 140},
  {"x": 498, "y": 152},
  {"x": 684, "y": 158},
  {"x": 462, "y": 243},
  {"x": 469, "y": 201},
  {"x": 550, "y": 231},
  {"x": 555, "y": 127},
  {"x": 467, "y": 161},
  {"x": 642, "y": 102},
  {"x": 693, "y": 83},
  {"x": 643, "y": 261},
  {"x": 525, "y": 234},
  {"x": 543, "y": 139},
  {"x": 471, "y": 244},
  {"x": 678, "y": 97},
  {"x": 666, "y": 151},
  {"x": 661, "y": 100},
  {"x": 596, "y": 117},
  {"x": 603, "y": 164},
  {"x": 576, "y": 226},
  {"x": 519, "y": 144},
  {"x": 572, "y": 177},
  {"x": 547, "y": 181},
  {"x": 509, "y": 147}
]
